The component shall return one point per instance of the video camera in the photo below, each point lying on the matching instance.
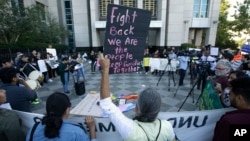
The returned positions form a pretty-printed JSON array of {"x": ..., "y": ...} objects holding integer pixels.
[
  {"x": 204, "y": 66},
  {"x": 191, "y": 53}
]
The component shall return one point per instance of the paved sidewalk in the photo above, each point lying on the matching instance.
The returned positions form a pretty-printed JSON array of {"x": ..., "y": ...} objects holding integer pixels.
[{"x": 126, "y": 84}]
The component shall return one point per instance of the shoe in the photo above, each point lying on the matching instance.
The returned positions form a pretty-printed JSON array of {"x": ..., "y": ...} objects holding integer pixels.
[
  {"x": 50, "y": 80},
  {"x": 67, "y": 92},
  {"x": 35, "y": 102}
]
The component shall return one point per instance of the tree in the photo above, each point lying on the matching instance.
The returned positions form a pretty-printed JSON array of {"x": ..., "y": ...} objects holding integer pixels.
[
  {"x": 12, "y": 24},
  {"x": 241, "y": 24},
  {"x": 28, "y": 25},
  {"x": 224, "y": 36}
]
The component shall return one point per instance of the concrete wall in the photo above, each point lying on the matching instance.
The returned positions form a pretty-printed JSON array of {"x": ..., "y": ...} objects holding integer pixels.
[
  {"x": 171, "y": 28},
  {"x": 175, "y": 23},
  {"x": 80, "y": 17}
]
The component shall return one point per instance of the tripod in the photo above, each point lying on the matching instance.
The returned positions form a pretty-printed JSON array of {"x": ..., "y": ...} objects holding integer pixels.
[
  {"x": 201, "y": 77},
  {"x": 170, "y": 73}
]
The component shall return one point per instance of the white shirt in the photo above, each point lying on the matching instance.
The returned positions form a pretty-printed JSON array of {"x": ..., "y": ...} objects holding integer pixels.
[
  {"x": 183, "y": 60},
  {"x": 172, "y": 56},
  {"x": 128, "y": 128}
]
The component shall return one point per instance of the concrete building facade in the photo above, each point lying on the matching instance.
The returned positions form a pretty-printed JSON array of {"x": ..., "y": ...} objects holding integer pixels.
[{"x": 173, "y": 21}]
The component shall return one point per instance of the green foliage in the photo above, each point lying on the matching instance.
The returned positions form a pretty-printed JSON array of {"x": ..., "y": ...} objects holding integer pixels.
[
  {"x": 61, "y": 46},
  {"x": 185, "y": 46},
  {"x": 224, "y": 36},
  {"x": 29, "y": 26},
  {"x": 242, "y": 17}
]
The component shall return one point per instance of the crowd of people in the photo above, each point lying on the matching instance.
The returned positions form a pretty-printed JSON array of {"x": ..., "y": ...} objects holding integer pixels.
[{"x": 230, "y": 77}]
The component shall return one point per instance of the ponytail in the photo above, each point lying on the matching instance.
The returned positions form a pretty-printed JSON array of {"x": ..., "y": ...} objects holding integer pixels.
[{"x": 52, "y": 125}]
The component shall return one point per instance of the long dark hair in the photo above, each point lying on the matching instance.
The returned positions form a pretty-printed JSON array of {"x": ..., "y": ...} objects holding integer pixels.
[
  {"x": 149, "y": 104},
  {"x": 56, "y": 105}
]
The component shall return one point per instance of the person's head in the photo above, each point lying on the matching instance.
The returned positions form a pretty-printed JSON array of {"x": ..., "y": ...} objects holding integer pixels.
[
  {"x": 156, "y": 51},
  {"x": 148, "y": 105},
  {"x": 236, "y": 74},
  {"x": 240, "y": 93},
  {"x": 164, "y": 50},
  {"x": 38, "y": 55},
  {"x": 223, "y": 67},
  {"x": 245, "y": 57},
  {"x": 24, "y": 58},
  {"x": 57, "y": 108},
  {"x": 50, "y": 46},
  {"x": 34, "y": 52},
  {"x": 6, "y": 62},
  {"x": 228, "y": 56},
  {"x": 2, "y": 96},
  {"x": 9, "y": 75},
  {"x": 65, "y": 60},
  {"x": 79, "y": 55},
  {"x": 92, "y": 52}
]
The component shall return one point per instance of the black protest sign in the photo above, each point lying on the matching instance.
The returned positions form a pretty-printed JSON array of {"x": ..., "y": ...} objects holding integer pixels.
[{"x": 125, "y": 37}]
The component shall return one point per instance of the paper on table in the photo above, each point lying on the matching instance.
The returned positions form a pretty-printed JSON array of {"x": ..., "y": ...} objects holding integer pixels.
[{"x": 89, "y": 106}]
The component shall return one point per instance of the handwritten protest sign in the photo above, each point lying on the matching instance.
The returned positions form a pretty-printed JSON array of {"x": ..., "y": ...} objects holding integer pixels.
[{"x": 125, "y": 37}]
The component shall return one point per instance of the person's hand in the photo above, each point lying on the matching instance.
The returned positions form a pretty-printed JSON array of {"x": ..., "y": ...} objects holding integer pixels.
[
  {"x": 2, "y": 96},
  {"x": 210, "y": 78},
  {"x": 218, "y": 88},
  {"x": 104, "y": 62},
  {"x": 90, "y": 121}
]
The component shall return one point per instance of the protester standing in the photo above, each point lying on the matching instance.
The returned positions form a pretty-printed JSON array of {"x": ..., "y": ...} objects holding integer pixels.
[
  {"x": 64, "y": 74},
  {"x": 146, "y": 126}
]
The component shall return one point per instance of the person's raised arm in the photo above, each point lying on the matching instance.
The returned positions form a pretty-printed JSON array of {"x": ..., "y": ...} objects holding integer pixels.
[
  {"x": 105, "y": 90},
  {"x": 123, "y": 124}
]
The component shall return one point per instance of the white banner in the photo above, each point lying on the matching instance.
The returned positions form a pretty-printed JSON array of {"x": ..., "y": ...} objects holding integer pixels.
[
  {"x": 188, "y": 126},
  {"x": 163, "y": 64}
]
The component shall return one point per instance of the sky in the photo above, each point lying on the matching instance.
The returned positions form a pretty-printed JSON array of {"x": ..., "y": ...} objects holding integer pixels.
[{"x": 231, "y": 10}]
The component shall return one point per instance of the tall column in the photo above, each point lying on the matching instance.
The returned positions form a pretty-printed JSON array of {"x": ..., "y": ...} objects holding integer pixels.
[
  {"x": 116, "y": 2},
  {"x": 140, "y": 4}
]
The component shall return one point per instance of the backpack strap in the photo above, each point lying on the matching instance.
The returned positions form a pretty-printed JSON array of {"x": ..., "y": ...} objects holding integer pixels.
[
  {"x": 80, "y": 125},
  {"x": 34, "y": 127},
  {"x": 157, "y": 133},
  {"x": 144, "y": 131}
]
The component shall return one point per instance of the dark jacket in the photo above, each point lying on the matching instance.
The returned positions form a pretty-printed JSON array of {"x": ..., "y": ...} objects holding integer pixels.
[
  {"x": 62, "y": 70},
  {"x": 10, "y": 127},
  {"x": 19, "y": 97}
]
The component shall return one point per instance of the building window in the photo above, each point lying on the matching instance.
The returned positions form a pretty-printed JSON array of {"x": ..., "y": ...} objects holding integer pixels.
[
  {"x": 103, "y": 7},
  {"x": 18, "y": 7},
  {"x": 128, "y": 3},
  {"x": 200, "y": 9},
  {"x": 151, "y": 6},
  {"x": 69, "y": 22},
  {"x": 41, "y": 10}
]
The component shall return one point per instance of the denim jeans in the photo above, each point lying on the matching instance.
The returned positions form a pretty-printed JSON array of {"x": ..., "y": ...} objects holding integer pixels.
[
  {"x": 66, "y": 84},
  {"x": 80, "y": 71}
]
